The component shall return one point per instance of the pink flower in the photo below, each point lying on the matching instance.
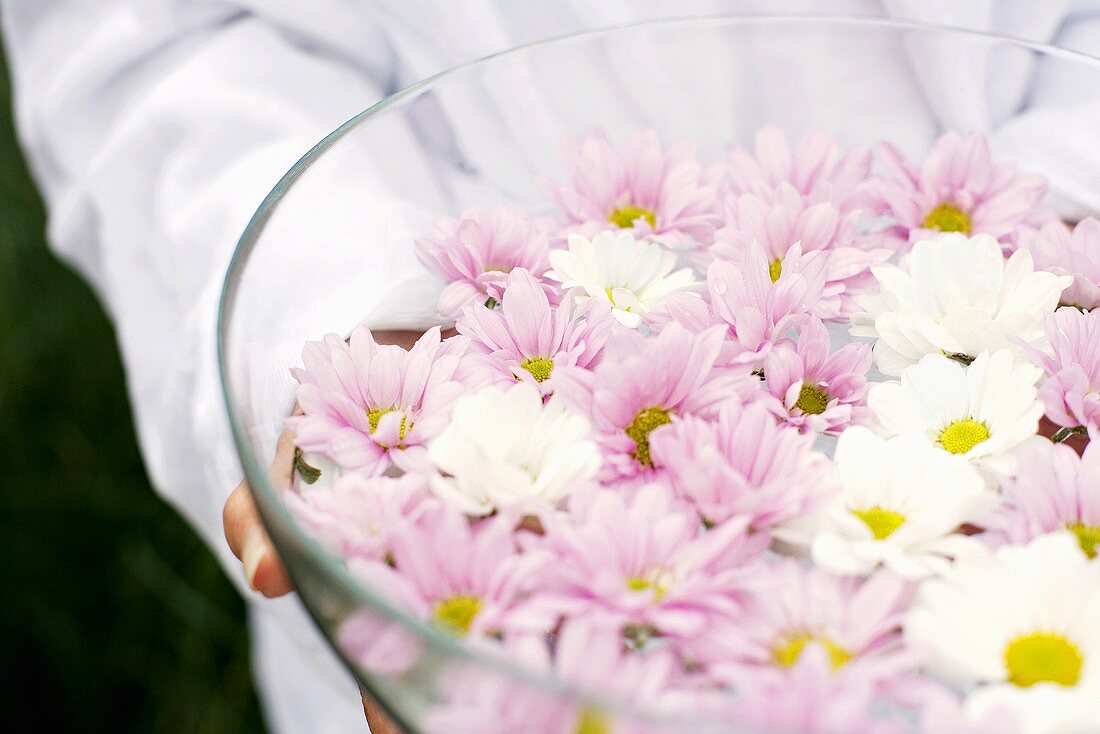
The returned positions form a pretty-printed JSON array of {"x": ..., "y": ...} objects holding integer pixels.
[
  {"x": 778, "y": 219},
  {"x": 1077, "y": 253},
  {"x": 1054, "y": 490},
  {"x": 367, "y": 406},
  {"x": 527, "y": 338},
  {"x": 744, "y": 465},
  {"x": 660, "y": 194},
  {"x": 640, "y": 384},
  {"x": 815, "y": 168},
  {"x": 357, "y": 517},
  {"x": 813, "y": 390},
  {"x": 1071, "y": 392},
  {"x": 958, "y": 188},
  {"x": 475, "y": 253},
  {"x": 643, "y": 564}
]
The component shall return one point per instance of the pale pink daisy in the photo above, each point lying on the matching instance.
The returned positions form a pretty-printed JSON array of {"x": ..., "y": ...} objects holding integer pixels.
[
  {"x": 368, "y": 406},
  {"x": 1055, "y": 489},
  {"x": 527, "y": 338},
  {"x": 640, "y": 384},
  {"x": 474, "y": 254},
  {"x": 743, "y": 464},
  {"x": 958, "y": 188},
  {"x": 657, "y": 193},
  {"x": 1071, "y": 392},
  {"x": 813, "y": 390},
  {"x": 782, "y": 218},
  {"x": 1077, "y": 253}
]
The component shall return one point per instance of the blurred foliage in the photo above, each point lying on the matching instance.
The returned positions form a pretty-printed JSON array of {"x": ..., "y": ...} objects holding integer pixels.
[{"x": 113, "y": 615}]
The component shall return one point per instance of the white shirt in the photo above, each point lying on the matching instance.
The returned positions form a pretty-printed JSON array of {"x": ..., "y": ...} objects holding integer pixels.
[{"x": 155, "y": 127}]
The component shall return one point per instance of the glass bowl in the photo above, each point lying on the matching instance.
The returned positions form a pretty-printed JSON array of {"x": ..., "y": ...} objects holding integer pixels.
[{"x": 332, "y": 244}]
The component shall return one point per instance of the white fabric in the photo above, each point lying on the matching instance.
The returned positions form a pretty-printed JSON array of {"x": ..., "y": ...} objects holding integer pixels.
[{"x": 155, "y": 127}]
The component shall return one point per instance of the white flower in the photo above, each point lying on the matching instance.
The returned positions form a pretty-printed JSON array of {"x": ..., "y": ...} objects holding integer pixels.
[
  {"x": 900, "y": 504},
  {"x": 613, "y": 267},
  {"x": 1022, "y": 624},
  {"x": 983, "y": 411},
  {"x": 956, "y": 296},
  {"x": 507, "y": 449}
]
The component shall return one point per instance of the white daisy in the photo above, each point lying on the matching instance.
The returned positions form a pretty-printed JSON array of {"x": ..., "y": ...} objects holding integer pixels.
[
  {"x": 1020, "y": 624},
  {"x": 507, "y": 449},
  {"x": 613, "y": 267},
  {"x": 956, "y": 296},
  {"x": 982, "y": 412},
  {"x": 900, "y": 504}
]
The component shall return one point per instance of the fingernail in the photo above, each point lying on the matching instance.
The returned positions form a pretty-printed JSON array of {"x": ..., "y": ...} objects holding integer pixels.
[{"x": 255, "y": 546}]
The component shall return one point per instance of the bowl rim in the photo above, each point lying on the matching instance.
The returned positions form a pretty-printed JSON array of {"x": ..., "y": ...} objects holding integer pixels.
[{"x": 273, "y": 510}]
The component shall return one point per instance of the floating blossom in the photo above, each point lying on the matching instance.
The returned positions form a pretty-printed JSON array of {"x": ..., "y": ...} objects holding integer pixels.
[
  {"x": 743, "y": 465},
  {"x": 1054, "y": 490},
  {"x": 958, "y": 188},
  {"x": 981, "y": 412},
  {"x": 367, "y": 406},
  {"x": 901, "y": 504},
  {"x": 527, "y": 337},
  {"x": 474, "y": 254},
  {"x": 1020, "y": 625},
  {"x": 653, "y": 193},
  {"x": 630, "y": 275},
  {"x": 641, "y": 384},
  {"x": 507, "y": 449},
  {"x": 641, "y": 563},
  {"x": 1076, "y": 254},
  {"x": 814, "y": 390},
  {"x": 1071, "y": 393},
  {"x": 956, "y": 296},
  {"x": 783, "y": 218}
]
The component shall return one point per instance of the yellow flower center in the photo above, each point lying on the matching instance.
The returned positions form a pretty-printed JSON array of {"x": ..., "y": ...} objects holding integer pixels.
[
  {"x": 539, "y": 367},
  {"x": 961, "y": 436},
  {"x": 625, "y": 216},
  {"x": 1043, "y": 657},
  {"x": 948, "y": 218},
  {"x": 881, "y": 521},
  {"x": 639, "y": 429},
  {"x": 375, "y": 416},
  {"x": 592, "y": 722},
  {"x": 775, "y": 269},
  {"x": 640, "y": 583},
  {"x": 812, "y": 399},
  {"x": 789, "y": 649},
  {"x": 457, "y": 613},
  {"x": 1087, "y": 535}
]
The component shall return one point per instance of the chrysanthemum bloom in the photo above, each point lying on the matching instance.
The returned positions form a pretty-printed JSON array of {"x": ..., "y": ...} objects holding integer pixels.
[
  {"x": 641, "y": 384},
  {"x": 1071, "y": 361},
  {"x": 527, "y": 337},
  {"x": 783, "y": 218},
  {"x": 958, "y": 188},
  {"x": 474, "y": 254},
  {"x": 956, "y": 296},
  {"x": 1055, "y": 489},
  {"x": 981, "y": 412},
  {"x": 357, "y": 517},
  {"x": 790, "y": 608},
  {"x": 367, "y": 406},
  {"x": 507, "y": 449},
  {"x": 654, "y": 193},
  {"x": 900, "y": 505},
  {"x": 1020, "y": 625},
  {"x": 815, "y": 167},
  {"x": 640, "y": 561},
  {"x": 1075, "y": 253},
  {"x": 743, "y": 464},
  {"x": 632, "y": 276},
  {"x": 813, "y": 390}
]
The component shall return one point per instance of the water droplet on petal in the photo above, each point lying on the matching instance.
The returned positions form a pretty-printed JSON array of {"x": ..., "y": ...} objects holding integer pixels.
[{"x": 720, "y": 287}]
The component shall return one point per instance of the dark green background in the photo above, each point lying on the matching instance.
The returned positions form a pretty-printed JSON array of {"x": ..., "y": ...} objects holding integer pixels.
[{"x": 113, "y": 615}]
